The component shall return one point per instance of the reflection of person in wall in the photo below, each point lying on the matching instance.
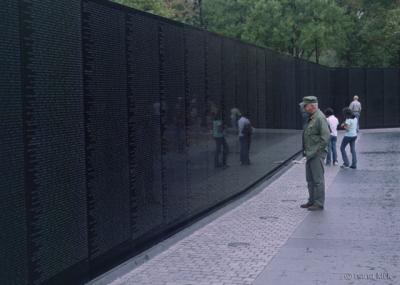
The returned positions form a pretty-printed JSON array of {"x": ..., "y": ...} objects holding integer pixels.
[
  {"x": 221, "y": 145},
  {"x": 304, "y": 115},
  {"x": 211, "y": 110},
  {"x": 157, "y": 109},
  {"x": 245, "y": 132},
  {"x": 235, "y": 115},
  {"x": 212, "y": 107},
  {"x": 193, "y": 112}
]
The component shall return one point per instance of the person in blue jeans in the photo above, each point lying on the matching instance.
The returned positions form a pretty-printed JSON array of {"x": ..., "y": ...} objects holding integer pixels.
[
  {"x": 333, "y": 123},
  {"x": 350, "y": 137}
]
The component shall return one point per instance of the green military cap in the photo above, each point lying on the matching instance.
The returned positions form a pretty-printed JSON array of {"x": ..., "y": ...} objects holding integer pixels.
[{"x": 309, "y": 100}]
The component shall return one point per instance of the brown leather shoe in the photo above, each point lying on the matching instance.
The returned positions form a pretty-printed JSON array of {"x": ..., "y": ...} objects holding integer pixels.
[
  {"x": 315, "y": 208},
  {"x": 306, "y": 205}
]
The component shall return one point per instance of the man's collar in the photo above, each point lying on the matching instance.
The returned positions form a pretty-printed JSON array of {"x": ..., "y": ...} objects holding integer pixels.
[{"x": 313, "y": 114}]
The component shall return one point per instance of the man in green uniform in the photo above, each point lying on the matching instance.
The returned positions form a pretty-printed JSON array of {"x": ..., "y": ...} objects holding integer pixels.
[{"x": 316, "y": 136}]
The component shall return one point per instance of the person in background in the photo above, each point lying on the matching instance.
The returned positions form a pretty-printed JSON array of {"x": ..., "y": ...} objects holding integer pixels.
[
  {"x": 220, "y": 142},
  {"x": 355, "y": 107},
  {"x": 245, "y": 132},
  {"x": 350, "y": 137},
  {"x": 333, "y": 123}
]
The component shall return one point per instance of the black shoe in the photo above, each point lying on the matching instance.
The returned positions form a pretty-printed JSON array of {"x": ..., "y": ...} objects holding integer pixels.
[
  {"x": 353, "y": 167},
  {"x": 344, "y": 166},
  {"x": 315, "y": 208},
  {"x": 306, "y": 205}
]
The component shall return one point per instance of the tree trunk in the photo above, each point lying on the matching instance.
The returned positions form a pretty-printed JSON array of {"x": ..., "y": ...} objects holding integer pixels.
[
  {"x": 316, "y": 52},
  {"x": 200, "y": 7}
]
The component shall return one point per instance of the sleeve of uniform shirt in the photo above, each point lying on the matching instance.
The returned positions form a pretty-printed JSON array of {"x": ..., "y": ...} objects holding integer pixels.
[{"x": 325, "y": 134}]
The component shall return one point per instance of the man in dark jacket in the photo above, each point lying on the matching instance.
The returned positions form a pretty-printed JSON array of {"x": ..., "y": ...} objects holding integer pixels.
[{"x": 315, "y": 141}]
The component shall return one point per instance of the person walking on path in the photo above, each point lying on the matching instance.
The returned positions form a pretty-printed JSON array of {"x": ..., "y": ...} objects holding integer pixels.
[
  {"x": 220, "y": 142},
  {"x": 355, "y": 107},
  {"x": 350, "y": 137},
  {"x": 316, "y": 137},
  {"x": 245, "y": 132},
  {"x": 333, "y": 123}
]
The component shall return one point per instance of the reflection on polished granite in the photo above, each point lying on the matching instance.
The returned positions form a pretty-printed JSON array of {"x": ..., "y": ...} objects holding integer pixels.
[
  {"x": 193, "y": 184},
  {"x": 210, "y": 185}
]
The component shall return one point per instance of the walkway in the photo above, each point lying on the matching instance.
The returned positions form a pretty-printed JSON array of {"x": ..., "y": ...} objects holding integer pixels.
[{"x": 269, "y": 239}]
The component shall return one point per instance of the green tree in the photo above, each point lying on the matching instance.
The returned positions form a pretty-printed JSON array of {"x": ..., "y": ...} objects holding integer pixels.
[
  {"x": 392, "y": 35},
  {"x": 302, "y": 28},
  {"x": 158, "y": 7},
  {"x": 226, "y": 17},
  {"x": 373, "y": 39},
  {"x": 186, "y": 11}
]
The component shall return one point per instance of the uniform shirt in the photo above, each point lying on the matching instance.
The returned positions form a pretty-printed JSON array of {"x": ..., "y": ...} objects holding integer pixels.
[
  {"x": 351, "y": 131},
  {"x": 316, "y": 136},
  {"x": 355, "y": 106},
  {"x": 333, "y": 123},
  {"x": 241, "y": 123}
]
